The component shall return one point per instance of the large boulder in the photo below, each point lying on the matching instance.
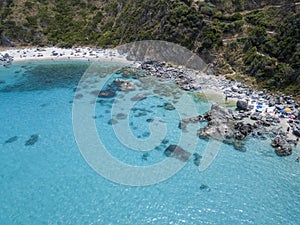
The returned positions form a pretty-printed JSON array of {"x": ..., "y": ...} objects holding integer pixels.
[
  {"x": 296, "y": 132},
  {"x": 220, "y": 124},
  {"x": 281, "y": 145},
  {"x": 242, "y": 105}
]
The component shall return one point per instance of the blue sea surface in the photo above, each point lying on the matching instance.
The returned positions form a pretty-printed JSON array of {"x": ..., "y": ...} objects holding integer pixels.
[{"x": 46, "y": 180}]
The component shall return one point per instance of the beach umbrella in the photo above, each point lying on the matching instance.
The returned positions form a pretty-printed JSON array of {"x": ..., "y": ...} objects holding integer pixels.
[
  {"x": 259, "y": 106},
  {"x": 282, "y": 111},
  {"x": 287, "y": 110}
]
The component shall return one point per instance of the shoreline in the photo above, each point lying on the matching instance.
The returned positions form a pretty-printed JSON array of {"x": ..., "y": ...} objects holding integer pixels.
[
  {"x": 231, "y": 97},
  {"x": 66, "y": 54},
  {"x": 261, "y": 108},
  {"x": 217, "y": 89}
]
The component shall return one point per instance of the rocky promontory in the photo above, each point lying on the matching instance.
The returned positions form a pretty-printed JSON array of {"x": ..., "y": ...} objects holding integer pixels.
[{"x": 258, "y": 114}]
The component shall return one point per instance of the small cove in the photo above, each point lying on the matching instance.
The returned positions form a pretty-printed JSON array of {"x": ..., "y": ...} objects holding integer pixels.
[{"x": 49, "y": 182}]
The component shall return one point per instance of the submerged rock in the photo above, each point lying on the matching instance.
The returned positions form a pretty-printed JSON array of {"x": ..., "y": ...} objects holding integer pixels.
[
  {"x": 138, "y": 97},
  {"x": 239, "y": 145},
  {"x": 11, "y": 140},
  {"x": 168, "y": 106},
  {"x": 204, "y": 187},
  {"x": 106, "y": 94},
  {"x": 123, "y": 85},
  {"x": 197, "y": 159},
  {"x": 182, "y": 125},
  {"x": 112, "y": 122},
  {"x": 177, "y": 152},
  {"x": 150, "y": 120},
  {"x": 32, "y": 140},
  {"x": 121, "y": 116},
  {"x": 145, "y": 156},
  {"x": 78, "y": 96}
]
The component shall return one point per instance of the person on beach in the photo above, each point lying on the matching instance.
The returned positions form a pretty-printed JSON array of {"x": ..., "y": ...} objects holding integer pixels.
[{"x": 288, "y": 129}]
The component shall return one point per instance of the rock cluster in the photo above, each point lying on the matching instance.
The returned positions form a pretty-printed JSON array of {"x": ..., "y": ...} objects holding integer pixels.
[
  {"x": 224, "y": 126},
  {"x": 5, "y": 59},
  {"x": 227, "y": 125},
  {"x": 117, "y": 85},
  {"x": 281, "y": 145},
  {"x": 184, "y": 79}
]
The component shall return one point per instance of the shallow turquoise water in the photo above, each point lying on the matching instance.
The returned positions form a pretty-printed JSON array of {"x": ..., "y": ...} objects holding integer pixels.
[{"x": 49, "y": 182}]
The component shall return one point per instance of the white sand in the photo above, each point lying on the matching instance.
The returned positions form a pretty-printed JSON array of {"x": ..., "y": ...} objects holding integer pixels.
[{"x": 54, "y": 53}]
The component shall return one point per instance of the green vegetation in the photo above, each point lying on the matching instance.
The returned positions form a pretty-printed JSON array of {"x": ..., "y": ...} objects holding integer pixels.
[{"x": 259, "y": 39}]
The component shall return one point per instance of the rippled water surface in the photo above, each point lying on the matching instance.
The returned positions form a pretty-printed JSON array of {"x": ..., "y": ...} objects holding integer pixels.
[{"x": 44, "y": 178}]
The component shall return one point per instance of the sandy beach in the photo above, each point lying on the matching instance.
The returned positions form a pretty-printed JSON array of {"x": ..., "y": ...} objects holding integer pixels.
[{"x": 54, "y": 53}]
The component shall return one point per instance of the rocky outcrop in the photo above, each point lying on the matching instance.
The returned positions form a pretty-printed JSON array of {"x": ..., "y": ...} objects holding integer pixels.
[
  {"x": 242, "y": 130},
  {"x": 118, "y": 85},
  {"x": 184, "y": 79},
  {"x": 223, "y": 126},
  {"x": 220, "y": 124},
  {"x": 281, "y": 145},
  {"x": 123, "y": 85}
]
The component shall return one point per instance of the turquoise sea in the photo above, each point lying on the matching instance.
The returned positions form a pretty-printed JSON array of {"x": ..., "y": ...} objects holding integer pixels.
[{"x": 46, "y": 179}]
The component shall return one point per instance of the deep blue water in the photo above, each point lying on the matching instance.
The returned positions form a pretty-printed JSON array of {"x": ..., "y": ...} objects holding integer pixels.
[{"x": 49, "y": 181}]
